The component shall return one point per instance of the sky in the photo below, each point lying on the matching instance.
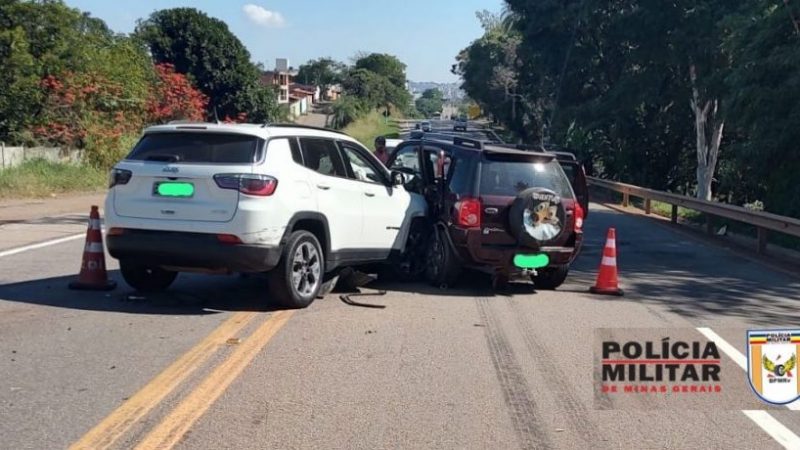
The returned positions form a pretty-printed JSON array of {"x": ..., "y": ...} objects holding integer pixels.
[{"x": 424, "y": 34}]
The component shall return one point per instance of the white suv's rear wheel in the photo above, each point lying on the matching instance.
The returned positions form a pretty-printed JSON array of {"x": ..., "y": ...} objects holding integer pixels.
[{"x": 297, "y": 279}]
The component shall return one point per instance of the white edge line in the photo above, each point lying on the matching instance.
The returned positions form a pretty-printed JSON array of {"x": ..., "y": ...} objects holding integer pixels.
[
  {"x": 775, "y": 429},
  {"x": 736, "y": 356},
  {"x": 26, "y": 248},
  {"x": 729, "y": 350},
  {"x": 779, "y": 432}
]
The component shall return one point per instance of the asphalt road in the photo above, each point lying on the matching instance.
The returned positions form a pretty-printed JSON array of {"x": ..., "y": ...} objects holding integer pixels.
[{"x": 210, "y": 365}]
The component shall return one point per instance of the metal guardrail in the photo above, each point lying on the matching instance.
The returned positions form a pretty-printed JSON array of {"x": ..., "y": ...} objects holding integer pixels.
[{"x": 763, "y": 221}]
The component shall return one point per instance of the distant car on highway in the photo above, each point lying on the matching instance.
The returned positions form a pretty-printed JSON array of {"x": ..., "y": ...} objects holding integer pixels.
[
  {"x": 425, "y": 126},
  {"x": 461, "y": 124}
]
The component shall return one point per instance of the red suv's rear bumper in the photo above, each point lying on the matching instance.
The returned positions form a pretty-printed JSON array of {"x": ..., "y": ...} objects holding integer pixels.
[{"x": 500, "y": 258}]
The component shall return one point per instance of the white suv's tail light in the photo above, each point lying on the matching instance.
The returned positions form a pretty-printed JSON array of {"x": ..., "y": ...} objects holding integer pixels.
[
  {"x": 119, "y": 176},
  {"x": 248, "y": 183}
]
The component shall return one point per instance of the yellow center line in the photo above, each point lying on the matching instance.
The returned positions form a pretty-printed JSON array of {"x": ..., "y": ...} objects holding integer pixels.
[
  {"x": 169, "y": 432},
  {"x": 118, "y": 422}
]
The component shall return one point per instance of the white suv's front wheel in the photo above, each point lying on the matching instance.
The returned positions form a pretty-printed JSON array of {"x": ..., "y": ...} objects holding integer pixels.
[{"x": 297, "y": 279}]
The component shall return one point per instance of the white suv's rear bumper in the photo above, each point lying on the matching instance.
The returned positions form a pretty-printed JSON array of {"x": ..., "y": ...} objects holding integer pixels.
[
  {"x": 190, "y": 251},
  {"x": 255, "y": 222}
]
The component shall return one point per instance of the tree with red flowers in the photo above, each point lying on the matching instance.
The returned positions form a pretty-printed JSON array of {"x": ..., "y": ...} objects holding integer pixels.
[{"x": 173, "y": 97}]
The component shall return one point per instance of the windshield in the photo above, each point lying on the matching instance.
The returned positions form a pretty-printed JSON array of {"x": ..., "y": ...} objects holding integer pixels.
[
  {"x": 196, "y": 148},
  {"x": 509, "y": 178}
]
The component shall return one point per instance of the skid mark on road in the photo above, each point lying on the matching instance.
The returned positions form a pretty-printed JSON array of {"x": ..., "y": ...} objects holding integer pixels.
[
  {"x": 526, "y": 419},
  {"x": 576, "y": 413}
]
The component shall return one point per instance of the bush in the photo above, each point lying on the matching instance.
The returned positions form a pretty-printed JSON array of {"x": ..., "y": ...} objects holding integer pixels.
[
  {"x": 103, "y": 152},
  {"x": 370, "y": 126},
  {"x": 347, "y": 110}
]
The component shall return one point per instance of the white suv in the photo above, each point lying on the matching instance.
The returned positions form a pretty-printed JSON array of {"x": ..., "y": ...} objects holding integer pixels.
[{"x": 297, "y": 202}]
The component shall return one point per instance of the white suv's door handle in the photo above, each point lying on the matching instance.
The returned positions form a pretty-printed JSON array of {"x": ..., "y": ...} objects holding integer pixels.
[
  {"x": 369, "y": 194},
  {"x": 324, "y": 187}
]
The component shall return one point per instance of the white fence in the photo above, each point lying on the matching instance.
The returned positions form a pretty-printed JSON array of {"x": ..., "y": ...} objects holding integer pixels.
[{"x": 14, "y": 156}]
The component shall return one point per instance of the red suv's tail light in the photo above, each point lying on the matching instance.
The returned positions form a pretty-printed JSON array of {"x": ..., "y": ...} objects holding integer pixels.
[
  {"x": 119, "y": 176},
  {"x": 579, "y": 215},
  {"x": 248, "y": 183},
  {"x": 469, "y": 212}
]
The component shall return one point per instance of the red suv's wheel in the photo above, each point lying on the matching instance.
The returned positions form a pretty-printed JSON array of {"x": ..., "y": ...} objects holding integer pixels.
[
  {"x": 442, "y": 264},
  {"x": 550, "y": 278},
  {"x": 537, "y": 217}
]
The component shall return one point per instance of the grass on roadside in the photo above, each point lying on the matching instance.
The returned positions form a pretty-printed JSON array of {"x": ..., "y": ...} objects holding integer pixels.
[
  {"x": 367, "y": 128},
  {"x": 40, "y": 178},
  {"x": 665, "y": 210}
]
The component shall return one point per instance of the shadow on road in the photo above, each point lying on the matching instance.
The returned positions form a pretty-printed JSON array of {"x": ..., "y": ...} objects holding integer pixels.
[
  {"x": 470, "y": 284},
  {"x": 699, "y": 280},
  {"x": 658, "y": 266},
  {"x": 190, "y": 295}
]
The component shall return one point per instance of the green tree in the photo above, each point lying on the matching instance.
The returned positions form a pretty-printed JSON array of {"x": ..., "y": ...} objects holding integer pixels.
[
  {"x": 430, "y": 103},
  {"x": 47, "y": 38},
  {"x": 764, "y": 106},
  {"x": 322, "y": 72},
  {"x": 205, "y": 49},
  {"x": 388, "y": 66},
  {"x": 490, "y": 67},
  {"x": 375, "y": 90},
  {"x": 617, "y": 77}
]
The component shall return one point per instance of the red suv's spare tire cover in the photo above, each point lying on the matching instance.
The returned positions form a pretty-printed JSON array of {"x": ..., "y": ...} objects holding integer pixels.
[{"x": 537, "y": 217}]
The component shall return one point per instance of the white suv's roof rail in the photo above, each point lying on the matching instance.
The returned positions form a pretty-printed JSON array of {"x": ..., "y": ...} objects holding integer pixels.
[{"x": 305, "y": 127}]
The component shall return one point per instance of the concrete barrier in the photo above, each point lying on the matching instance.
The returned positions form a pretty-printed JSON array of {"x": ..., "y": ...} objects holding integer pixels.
[{"x": 14, "y": 156}]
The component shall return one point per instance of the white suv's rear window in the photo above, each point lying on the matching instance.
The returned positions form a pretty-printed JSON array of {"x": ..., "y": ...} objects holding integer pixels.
[{"x": 194, "y": 147}]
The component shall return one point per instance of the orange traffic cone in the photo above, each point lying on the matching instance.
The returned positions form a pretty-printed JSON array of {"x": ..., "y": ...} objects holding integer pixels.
[
  {"x": 607, "y": 275},
  {"x": 93, "y": 276}
]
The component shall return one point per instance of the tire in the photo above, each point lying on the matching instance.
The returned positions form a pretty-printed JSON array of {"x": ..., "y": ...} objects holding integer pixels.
[
  {"x": 550, "y": 278},
  {"x": 442, "y": 268},
  {"x": 297, "y": 279},
  {"x": 145, "y": 278},
  {"x": 537, "y": 217},
  {"x": 410, "y": 266}
]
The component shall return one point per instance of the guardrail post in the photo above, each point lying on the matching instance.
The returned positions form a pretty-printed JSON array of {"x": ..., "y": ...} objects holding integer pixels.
[
  {"x": 674, "y": 215},
  {"x": 762, "y": 240},
  {"x": 709, "y": 224},
  {"x": 625, "y": 199},
  {"x": 647, "y": 206}
]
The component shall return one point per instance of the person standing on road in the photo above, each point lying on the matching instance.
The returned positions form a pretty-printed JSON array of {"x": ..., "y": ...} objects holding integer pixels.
[{"x": 380, "y": 149}]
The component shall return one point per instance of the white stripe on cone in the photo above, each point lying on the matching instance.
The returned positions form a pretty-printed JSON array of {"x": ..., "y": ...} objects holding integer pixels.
[
  {"x": 611, "y": 243},
  {"x": 94, "y": 224},
  {"x": 609, "y": 261},
  {"x": 94, "y": 247}
]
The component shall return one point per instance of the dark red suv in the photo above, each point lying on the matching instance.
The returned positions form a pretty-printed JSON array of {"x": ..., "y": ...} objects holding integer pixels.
[{"x": 495, "y": 208}]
